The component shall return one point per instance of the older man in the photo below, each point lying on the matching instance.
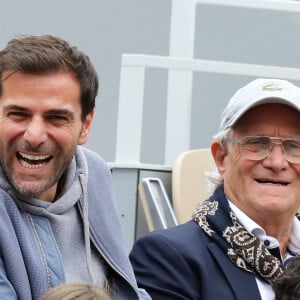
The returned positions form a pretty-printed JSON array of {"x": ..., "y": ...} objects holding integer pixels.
[{"x": 240, "y": 238}]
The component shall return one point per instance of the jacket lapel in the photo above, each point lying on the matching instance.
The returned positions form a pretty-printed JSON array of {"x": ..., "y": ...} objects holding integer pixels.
[{"x": 243, "y": 283}]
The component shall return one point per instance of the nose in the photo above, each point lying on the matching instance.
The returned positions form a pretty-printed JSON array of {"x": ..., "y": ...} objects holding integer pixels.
[
  {"x": 36, "y": 132},
  {"x": 276, "y": 159}
]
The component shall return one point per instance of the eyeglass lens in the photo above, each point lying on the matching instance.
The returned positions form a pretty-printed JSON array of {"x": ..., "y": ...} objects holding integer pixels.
[{"x": 259, "y": 147}]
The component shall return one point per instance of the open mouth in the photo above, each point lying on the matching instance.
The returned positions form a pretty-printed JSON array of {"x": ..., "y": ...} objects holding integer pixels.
[
  {"x": 278, "y": 183},
  {"x": 33, "y": 161}
]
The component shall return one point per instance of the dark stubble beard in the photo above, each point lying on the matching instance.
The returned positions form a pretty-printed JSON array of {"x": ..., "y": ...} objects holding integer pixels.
[{"x": 30, "y": 189}]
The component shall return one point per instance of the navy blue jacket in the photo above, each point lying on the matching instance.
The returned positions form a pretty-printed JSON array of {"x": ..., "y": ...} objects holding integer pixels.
[{"x": 183, "y": 263}]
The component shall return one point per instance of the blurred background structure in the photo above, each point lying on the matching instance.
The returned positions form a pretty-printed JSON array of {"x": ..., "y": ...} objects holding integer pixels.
[{"x": 167, "y": 68}]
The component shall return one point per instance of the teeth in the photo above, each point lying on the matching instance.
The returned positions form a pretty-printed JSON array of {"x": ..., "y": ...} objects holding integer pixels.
[
  {"x": 272, "y": 182},
  {"x": 33, "y": 161},
  {"x": 31, "y": 166},
  {"x": 33, "y": 157}
]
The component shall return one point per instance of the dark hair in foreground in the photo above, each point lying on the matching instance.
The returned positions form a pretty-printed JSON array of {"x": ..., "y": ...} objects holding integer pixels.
[
  {"x": 48, "y": 54},
  {"x": 79, "y": 291},
  {"x": 287, "y": 285}
]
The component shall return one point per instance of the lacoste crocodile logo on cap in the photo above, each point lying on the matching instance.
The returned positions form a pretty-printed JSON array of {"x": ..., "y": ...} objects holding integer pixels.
[{"x": 271, "y": 88}]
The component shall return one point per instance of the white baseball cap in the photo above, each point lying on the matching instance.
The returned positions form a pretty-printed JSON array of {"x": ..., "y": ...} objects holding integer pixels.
[{"x": 259, "y": 91}]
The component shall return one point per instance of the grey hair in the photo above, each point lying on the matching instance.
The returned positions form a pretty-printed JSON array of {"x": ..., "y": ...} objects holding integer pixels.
[{"x": 213, "y": 176}]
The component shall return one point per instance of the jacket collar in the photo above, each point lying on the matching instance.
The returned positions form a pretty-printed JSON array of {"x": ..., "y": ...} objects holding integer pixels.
[{"x": 239, "y": 280}]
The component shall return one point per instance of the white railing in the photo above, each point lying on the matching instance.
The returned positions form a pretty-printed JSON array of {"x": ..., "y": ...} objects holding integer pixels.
[
  {"x": 128, "y": 148},
  {"x": 276, "y": 5}
]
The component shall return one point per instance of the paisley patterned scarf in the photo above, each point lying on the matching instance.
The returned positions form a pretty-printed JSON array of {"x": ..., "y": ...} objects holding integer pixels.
[{"x": 246, "y": 251}]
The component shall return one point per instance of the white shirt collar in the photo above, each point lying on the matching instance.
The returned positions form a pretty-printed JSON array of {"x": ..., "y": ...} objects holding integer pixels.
[{"x": 294, "y": 240}]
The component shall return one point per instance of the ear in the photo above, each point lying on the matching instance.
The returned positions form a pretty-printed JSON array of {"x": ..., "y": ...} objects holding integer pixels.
[
  {"x": 219, "y": 152},
  {"x": 86, "y": 128}
]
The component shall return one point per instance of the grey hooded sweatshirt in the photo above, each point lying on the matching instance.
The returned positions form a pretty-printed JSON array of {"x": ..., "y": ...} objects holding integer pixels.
[{"x": 76, "y": 238}]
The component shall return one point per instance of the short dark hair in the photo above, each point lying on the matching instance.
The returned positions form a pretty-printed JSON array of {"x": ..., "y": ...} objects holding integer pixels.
[
  {"x": 48, "y": 54},
  {"x": 287, "y": 284}
]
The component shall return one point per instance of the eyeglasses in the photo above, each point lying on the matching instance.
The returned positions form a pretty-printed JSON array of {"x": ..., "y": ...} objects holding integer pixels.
[{"x": 259, "y": 147}]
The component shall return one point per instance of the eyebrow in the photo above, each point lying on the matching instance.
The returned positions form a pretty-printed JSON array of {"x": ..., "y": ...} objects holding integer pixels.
[
  {"x": 16, "y": 107},
  {"x": 56, "y": 111},
  {"x": 60, "y": 111}
]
